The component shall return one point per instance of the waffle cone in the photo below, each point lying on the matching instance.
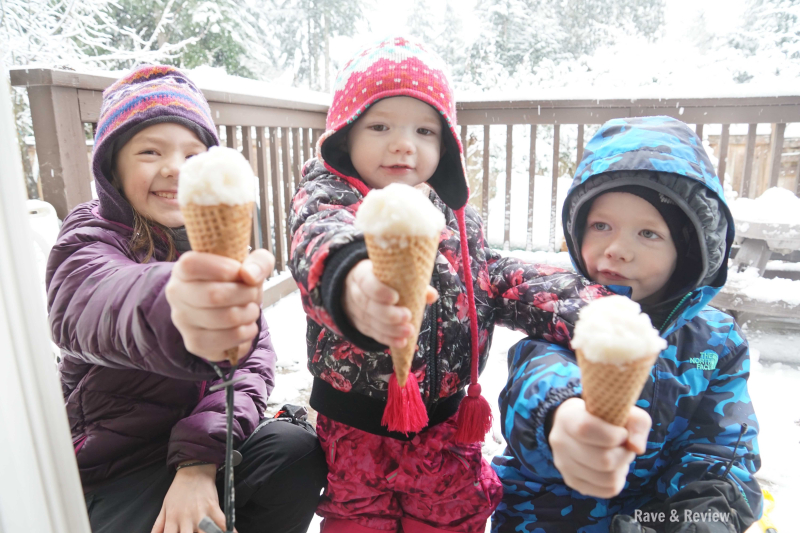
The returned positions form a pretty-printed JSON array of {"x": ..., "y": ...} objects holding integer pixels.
[
  {"x": 611, "y": 390},
  {"x": 405, "y": 265},
  {"x": 222, "y": 230}
]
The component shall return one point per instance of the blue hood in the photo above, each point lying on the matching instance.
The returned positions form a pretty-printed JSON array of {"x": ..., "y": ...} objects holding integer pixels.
[{"x": 663, "y": 154}]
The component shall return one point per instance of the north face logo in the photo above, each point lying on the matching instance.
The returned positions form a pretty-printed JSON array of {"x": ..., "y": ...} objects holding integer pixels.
[{"x": 707, "y": 360}]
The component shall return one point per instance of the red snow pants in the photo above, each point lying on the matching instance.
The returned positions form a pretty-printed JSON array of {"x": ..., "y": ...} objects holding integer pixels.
[{"x": 428, "y": 484}]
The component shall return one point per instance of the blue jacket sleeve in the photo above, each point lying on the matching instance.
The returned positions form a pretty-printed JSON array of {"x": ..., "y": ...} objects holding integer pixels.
[
  {"x": 709, "y": 441},
  {"x": 541, "y": 376}
]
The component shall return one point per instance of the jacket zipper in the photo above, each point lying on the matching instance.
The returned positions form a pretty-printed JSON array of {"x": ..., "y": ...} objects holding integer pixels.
[
  {"x": 674, "y": 311},
  {"x": 78, "y": 444},
  {"x": 433, "y": 374}
]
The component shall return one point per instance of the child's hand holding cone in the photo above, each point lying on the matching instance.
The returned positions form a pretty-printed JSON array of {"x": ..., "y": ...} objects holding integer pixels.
[
  {"x": 616, "y": 345},
  {"x": 402, "y": 230},
  {"x": 594, "y": 438},
  {"x": 216, "y": 196}
]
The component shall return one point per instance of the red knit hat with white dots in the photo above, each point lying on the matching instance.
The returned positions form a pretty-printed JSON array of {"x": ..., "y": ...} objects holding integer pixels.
[{"x": 396, "y": 67}]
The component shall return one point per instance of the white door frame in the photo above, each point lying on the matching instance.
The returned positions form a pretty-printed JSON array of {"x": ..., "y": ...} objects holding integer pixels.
[{"x": 40, "y": 490}]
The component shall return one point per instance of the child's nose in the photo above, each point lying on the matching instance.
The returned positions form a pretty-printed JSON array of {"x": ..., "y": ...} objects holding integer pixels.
[
  {"x": 401, "y": 143},
  {"x": 172, "y": 166},
  {"x": 620, "y": 250}
]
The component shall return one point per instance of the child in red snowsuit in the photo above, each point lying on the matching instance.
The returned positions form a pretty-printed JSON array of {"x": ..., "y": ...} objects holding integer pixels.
[{"x": 393, "y": 120}]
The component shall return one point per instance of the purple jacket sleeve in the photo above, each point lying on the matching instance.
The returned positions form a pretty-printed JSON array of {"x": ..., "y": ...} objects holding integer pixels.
[
  {"x": 201, "y": 435},
  {"x": 106, "y": 309}
]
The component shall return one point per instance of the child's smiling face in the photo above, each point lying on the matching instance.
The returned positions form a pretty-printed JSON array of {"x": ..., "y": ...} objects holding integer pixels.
[
  {"x": 627, "y": 242},
  {"x": 398, "y": 140},
  {"x": 148, "y": 167}
]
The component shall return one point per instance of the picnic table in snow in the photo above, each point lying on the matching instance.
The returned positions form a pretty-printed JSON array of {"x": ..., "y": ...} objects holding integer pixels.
[{"x": 765, "y": 227}]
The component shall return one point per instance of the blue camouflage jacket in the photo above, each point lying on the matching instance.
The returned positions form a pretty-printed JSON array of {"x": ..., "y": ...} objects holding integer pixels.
[{"x": 697, "y": 392}]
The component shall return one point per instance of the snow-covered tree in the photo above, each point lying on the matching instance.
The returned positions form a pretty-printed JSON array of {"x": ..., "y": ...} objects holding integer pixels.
[
  {"x": 442, "y": 32},
  {"x": 70, "y": 34},
  {"x": 302, "y": 31},
  {"x": 773, "y": 23},
  {"x": 220, "y": 33},
  {"x": 521, "y": 34},
  {"x": 588, "y": 24},
  {"x": 516, "y": 33}
]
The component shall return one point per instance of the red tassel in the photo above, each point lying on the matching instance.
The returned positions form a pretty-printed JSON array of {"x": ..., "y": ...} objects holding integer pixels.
[
  {"x": 404, "y": 410},
  {"x": 474, "y": 417}
]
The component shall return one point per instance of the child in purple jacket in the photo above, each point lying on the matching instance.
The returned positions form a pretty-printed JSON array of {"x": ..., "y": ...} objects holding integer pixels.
[{"x": 137, "y": 331}]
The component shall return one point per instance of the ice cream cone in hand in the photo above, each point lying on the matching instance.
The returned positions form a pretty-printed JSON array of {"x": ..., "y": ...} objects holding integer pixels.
[
  {"x": 616, "y": 346},
  {"x": 216, "y": 196},
  {"x": 401, "y": 228}
]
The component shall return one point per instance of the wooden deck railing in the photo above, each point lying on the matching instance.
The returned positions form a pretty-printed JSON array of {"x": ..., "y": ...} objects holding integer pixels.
[
  {"x": 777, "y": 111},
  {"x": 277, "y": 135}
]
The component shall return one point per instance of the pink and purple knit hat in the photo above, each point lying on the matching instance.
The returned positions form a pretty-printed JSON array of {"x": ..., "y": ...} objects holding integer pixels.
[
  {"x": 149, "y": 95},
  {"x": 396, "y": 67}
]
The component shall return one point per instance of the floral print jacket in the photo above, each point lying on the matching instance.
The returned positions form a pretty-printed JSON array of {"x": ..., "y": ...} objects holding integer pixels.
[{"x": 541, "y": 300}]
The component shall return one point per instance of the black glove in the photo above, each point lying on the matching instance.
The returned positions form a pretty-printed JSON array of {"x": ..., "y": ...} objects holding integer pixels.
[
  {"x": 625, "y": 524},
  {"x": 695, "y": 504}
]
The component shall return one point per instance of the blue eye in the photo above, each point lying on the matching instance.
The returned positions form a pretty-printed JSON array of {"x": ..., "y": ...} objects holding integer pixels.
[
  {"x": 601, "y": 226},
  {"x": 647, "y": 234}
]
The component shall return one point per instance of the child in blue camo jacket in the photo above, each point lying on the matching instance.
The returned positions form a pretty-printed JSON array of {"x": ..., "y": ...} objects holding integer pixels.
[{"x": 646, "y": 215}]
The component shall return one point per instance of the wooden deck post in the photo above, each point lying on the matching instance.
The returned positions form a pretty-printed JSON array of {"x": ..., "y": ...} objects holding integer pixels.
[
  {"x": 60, "y": 146},
  {"x": 263, "y": 190},
  {"x": 531, "y": 187},
  {"x": 485, "y": 199},
  {"x": 304, "y": 142},
  {"x": 288, "y": 188},
  {"x": 277, "y": 206},
  {"x": 230, "y": 137},
  {"x": 247, "y": 152},
  {"x": 507, "y": 227},
  {"x": 580, "y": 146},
  {"x": 776, "y": 145},
  {"x": 296, "y": 163},
  {"x": 723, "y": 152},
  {"x": 749, "y": 157},
  {"x": 554, "y": 192}
]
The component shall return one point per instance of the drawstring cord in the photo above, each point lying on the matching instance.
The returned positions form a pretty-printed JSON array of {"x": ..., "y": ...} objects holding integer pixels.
[
  {"x": 736, "y": 447},
  {"x": 207, "y": 525}
]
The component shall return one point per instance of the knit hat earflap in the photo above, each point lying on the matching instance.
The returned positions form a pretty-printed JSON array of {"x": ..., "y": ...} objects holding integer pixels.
[
  {"x": 150, "y": 94},
  {"x": 395, "y": 67}
]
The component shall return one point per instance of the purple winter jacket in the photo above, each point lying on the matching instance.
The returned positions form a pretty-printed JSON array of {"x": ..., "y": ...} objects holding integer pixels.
[{"x": 135, "y": 396}]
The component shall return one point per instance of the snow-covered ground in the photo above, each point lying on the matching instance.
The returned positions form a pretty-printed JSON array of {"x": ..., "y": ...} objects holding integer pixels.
[{"x": 773, "y": 388}]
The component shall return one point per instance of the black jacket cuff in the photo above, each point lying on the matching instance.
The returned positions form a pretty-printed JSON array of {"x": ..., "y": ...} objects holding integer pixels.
[
  {"x": 336, "y": 269},
  {"x": 547, "y": 409}
]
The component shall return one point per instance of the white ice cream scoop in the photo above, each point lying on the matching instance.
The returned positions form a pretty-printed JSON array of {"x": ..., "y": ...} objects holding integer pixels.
[
  {"x": 614, "y": 330},
  {"x": 219, "y": 176}
]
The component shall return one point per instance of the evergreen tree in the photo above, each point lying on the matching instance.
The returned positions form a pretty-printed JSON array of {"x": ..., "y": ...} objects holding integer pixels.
[
  {"x": 220, "y": 33},
  {"x": 421, "y": 22},
  {"x": 441, "y": 33},
  {"x": 520, "y": 34},
  {"x": 588, "y": 24},
  {"x": 770, "y": 24},
  {"x": 302, "y": 31}
]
